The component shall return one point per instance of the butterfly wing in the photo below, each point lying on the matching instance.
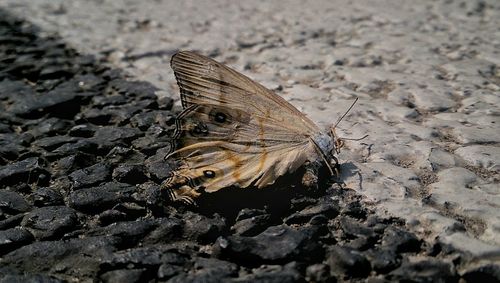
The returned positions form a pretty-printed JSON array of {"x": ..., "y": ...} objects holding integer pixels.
[
  {"x": 203, "y": 81},
  {"x": 233, "y": 131}
]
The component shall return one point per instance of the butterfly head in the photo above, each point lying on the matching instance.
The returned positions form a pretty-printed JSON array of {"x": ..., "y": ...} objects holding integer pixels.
[{"x": 338, "y": 142}]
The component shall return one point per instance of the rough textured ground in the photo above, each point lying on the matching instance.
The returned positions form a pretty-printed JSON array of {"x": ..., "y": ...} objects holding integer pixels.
[{"x": 428, "y": 82}]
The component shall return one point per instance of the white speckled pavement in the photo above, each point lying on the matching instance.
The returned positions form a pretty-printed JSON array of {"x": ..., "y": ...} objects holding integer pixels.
[{"x": 426, "y": 74}]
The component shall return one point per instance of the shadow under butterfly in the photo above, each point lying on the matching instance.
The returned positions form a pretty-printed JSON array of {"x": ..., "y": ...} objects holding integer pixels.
[{"x": 235, "y": 133}]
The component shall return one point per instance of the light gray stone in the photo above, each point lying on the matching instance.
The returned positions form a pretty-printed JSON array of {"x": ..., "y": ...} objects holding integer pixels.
[{"x": 481, "y": 155}]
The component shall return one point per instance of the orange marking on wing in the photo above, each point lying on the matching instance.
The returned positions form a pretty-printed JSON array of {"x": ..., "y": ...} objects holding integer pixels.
[
  {"x": 263, "y": 158},
  {"x": 236, "y": 164}
]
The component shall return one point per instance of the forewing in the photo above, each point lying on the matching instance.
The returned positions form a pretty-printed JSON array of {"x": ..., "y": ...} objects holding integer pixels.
[{"x": 203, "y": 81}]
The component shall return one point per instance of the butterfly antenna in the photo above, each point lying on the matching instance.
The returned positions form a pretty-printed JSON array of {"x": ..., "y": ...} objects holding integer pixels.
[
  {"x": 356, "y": 139},
  {"x": 339, "y": 142},
  {"x": 342, "y": 117}
]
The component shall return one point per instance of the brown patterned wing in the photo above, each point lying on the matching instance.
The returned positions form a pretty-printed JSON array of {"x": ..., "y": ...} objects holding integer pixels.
[
  {"x": 233, "y": 131},
  {"x": 203, "y": 81}
]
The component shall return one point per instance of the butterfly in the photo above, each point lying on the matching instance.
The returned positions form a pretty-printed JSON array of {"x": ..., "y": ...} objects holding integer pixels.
[{"x": 234, "y": 132}]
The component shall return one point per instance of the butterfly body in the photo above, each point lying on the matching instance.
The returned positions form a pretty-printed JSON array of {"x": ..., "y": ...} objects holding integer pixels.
[
  {"x": 233, "y": 132},
  {"x": 324, "y": 140}
]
